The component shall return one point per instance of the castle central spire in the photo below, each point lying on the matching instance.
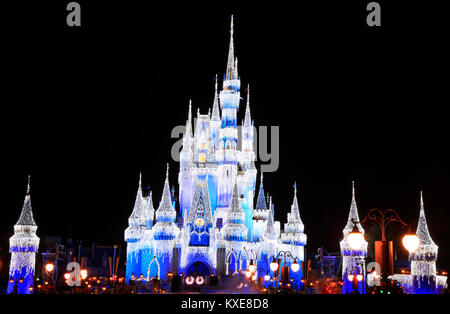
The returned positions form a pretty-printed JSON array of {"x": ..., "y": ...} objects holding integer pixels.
[{"x": 231, "y": 61}]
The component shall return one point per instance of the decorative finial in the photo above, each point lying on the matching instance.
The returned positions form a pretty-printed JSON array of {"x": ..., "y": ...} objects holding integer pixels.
[
  {"x": 140, "y": 179},
  {"x": 167, "y": 171},
  {"x": 262, "y": 177},
  {"x": 248, "y": 94},
  {"x": 353, "y": 190},
  {"x": 231, "y": 27},
  {"x": 28, "y": 185},
  {"x": 198, "y": 112},
  {"x": 295, "y": 187},
  {"x": 421, "y": 201}
]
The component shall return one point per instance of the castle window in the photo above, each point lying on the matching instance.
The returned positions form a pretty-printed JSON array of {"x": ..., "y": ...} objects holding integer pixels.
[
  {"x": 228, "y": 145},
  {"x": 201, "y": 157},
  {"x": 202, "y": 146}
]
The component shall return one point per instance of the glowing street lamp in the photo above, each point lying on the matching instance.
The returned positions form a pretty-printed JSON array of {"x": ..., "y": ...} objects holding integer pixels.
[
  {"x": 49, "y": 267},
  {"x": 248, "y": 274},
  {"x": 252, "y": 267},
  {"x": 267, "y": 277},
  {"x": 274, "y": 265},
  {"x": 83, "y": 274},
  {"x": 355, "y": 238},
  {"x": 295, "y": 266},
  {"x": 411, "y": 242}
]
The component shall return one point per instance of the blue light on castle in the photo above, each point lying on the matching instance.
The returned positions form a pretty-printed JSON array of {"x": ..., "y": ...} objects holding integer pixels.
[{"x": 219, "y": 230}]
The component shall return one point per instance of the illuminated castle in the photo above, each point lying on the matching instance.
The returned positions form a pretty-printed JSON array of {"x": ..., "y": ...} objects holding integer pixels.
[{"x": 219, "y": 228}]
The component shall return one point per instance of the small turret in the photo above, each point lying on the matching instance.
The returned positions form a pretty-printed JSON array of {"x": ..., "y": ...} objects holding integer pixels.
[
  {"x": 23, "y": 246},
  {"x": 261, "y": 201},
  {"x": 234, "y": 229},
  {"x": 270, "y": 233}
]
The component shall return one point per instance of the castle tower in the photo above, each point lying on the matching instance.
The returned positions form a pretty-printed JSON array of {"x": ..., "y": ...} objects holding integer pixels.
[
  {"x": 227, "y": 154},
  {"x": 423, "y": 260},
  {"x": 165, "y": 231},
  {"x": 23, "y": 246},
  {"x": 246, "y": 170},
  {"x": 234, "y": 232},
  {"x": 293, "y": 229},
  {"x": 353, "y": 262},
  {"x": 137, "y": 224}
]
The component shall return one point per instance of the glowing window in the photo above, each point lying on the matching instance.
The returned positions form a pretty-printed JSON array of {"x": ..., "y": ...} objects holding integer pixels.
[
  {"x": 201, "y": 157},
  {"x": 202, "y": 146}
]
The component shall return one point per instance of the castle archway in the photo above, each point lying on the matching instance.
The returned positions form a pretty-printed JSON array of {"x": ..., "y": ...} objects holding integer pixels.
[{"x": 199, "y": 267}]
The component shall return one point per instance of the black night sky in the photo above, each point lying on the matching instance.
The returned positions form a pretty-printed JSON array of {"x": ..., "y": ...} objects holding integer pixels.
[{"x": 84, "y": 110}]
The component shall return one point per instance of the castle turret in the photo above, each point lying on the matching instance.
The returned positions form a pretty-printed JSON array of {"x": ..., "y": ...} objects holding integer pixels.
[
  {"x": 137, "y": 225},
  {"x": 23, "y": 246},
  {"x": 293, "y": 229},
  {"x": 165, "y": 231},
  {"x": 353, "y": 260},
  {"x": 423, "y": 260}
]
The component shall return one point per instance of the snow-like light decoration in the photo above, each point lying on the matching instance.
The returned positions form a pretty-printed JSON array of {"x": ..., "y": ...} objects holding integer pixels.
[
  {"x": 423, "y": 278},
  {"x": 23, "y": 246},
  {"x": 217, "y": 227}
]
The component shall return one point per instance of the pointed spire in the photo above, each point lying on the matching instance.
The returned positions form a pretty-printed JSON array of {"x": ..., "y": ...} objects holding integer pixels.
[
  {"x": 270, "y": 233},
  {"x": 422, "y": 226},
  {"x": 215, "y": 113},
  {"x": 235, "y": 211},
  {"x": 165, "y": 209},
  {"x": 353, "y": 192},
  {"x": 295, "y": 212},
  {"x": 28, "y": 185},
  {"x": 26, "y": 216},
  {"x": 138, "y": 208},
  {"x": 189, "y": 121},
  {"x": 353, "y": 215},
  {"x": 248, "y": 118},
  {"x": 261, "y": 201},
  {"x": 230, "y": 62}
]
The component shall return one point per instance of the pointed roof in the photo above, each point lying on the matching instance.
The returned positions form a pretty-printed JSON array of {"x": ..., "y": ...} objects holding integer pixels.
[
  {"x": 189, "y": 121},
  {"x": 248, "y": 118},
  {"x": 295, "y": 212},
  {"x": 353, "y": 215},
  {"x": 138, "y": 208},
  {"x": 230, "y": 61},
  {"x": 215, "y": 113},
  {"x": 270, "y": 233},
  {"x": 200, "y": 200},
  {"x": 166, "y": 204},
  {"x": 261, "y": 201},
  {"x": 235, "y": 211},
  {"x": 26, "y": 216},
  {"x": 422, "y": 227}
]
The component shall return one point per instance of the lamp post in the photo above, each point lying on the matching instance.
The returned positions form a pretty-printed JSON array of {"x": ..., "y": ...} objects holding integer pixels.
[
  {"x": 384, "y": 250},
  {"x": 275, "y": 266}
]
